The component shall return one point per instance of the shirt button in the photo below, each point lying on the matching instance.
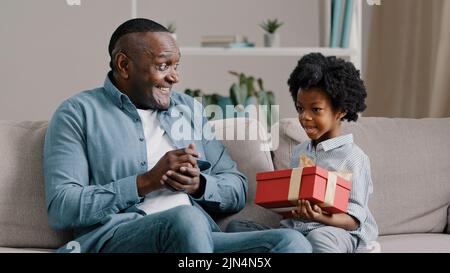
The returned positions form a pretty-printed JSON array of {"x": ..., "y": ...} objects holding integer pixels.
[
  {"x": 141, "y": 139},
  {"x": 143, "y": 163}
]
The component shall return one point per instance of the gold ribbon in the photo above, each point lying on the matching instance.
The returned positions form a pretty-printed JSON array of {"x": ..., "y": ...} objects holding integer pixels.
[
  {"x": 330, "y": 191},
  {"x": 296, "y": 178},
  {"x": 345, "y": 174},
  {"x": 295, "y": 184}
]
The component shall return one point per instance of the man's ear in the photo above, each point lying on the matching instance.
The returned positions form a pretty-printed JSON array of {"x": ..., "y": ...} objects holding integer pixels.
[{"x": 122, "y": 63}]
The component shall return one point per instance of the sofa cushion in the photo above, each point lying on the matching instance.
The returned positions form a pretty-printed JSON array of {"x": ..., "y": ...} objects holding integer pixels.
[
  {"x": 23, "y": 215},
  {"x": 25, "y": 250},
  {"x": 410, "y": 163},
  {"x": 415, "y": 243},
  {"x": 247, "y": 150},
  {"x": 290, "y": 135},
  {"x": 251, "y": 155}
]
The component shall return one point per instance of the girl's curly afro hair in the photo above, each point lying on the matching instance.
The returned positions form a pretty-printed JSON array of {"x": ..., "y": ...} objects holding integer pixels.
[{"x": 338, "y": 78}]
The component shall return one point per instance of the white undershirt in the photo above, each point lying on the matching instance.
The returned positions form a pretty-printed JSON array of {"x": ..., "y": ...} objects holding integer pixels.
[{"x": 158, "y": 143}]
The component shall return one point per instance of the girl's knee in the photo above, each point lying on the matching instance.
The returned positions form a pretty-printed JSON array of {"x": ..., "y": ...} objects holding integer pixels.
[{"x": 323, "y": 241}]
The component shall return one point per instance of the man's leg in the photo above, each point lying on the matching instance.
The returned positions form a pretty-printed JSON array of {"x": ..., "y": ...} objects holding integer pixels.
[
  {"x": 245, "y": 225},
  {"x": 274, "y": 240},
  {"x": 331, "y": 240},
  {"x": 180, "y": 229}
]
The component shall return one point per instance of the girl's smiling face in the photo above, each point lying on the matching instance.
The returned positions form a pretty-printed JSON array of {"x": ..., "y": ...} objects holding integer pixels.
[{"x": 317, "y": 115}]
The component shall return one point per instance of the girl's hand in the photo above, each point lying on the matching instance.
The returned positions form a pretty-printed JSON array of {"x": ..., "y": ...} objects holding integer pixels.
[
  {"x": 306, "y": 211},
  {"x": 315, "y": 213}
]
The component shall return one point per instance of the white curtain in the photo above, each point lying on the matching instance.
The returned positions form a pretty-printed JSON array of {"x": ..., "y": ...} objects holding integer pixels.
[{"x": 408, "y": 68}]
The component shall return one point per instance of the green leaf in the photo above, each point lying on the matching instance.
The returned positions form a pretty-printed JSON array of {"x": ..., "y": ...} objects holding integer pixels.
[
  {"x": 271, "y": 25},
  {"x": 251, "y": 100},
  {"x": 260, "y": 84},
  {"x": 235, "y": 94},
  {"x": 250, "y": 86}
]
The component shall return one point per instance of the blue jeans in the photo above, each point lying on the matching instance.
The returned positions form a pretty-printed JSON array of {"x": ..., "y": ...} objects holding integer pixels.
[{"x": 185, "y": 229}]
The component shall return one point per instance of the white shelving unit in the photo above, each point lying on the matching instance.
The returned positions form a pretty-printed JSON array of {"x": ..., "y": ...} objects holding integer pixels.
[
  {"x": 265, "y": 51},
  {"x": 206, "y": 68},
  {"x": 353, "y": 54}
]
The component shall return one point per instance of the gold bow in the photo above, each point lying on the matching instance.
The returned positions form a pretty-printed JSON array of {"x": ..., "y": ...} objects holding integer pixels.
[{"x": 296, "y": 177}]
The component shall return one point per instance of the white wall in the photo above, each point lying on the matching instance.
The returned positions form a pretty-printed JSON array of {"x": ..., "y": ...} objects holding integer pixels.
[{"x": 51, "y": 51}]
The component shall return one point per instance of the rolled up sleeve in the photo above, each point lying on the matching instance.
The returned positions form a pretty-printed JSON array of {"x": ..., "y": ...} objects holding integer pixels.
[{"x": 361, "y": 188}]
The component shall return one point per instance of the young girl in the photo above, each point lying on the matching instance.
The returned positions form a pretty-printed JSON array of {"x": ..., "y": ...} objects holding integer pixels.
[{"x": 327, "y": 90}]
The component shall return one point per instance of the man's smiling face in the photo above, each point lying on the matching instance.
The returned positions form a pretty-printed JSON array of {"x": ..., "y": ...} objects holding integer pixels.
[{"x": 152, "y": 69}]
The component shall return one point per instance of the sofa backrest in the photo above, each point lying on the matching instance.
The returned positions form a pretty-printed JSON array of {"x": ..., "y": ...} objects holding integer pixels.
[
  {"x": 410, "y": 163},
  {"x": 23, "y": 216},
  {"x": 244, "y": 139}
]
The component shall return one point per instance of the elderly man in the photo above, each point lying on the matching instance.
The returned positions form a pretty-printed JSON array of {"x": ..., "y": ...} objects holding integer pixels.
[{"x": 118, "y": 175}]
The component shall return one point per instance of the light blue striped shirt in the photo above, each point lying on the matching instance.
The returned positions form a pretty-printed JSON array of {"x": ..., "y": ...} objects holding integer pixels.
[{"x": 341, "y": 154}]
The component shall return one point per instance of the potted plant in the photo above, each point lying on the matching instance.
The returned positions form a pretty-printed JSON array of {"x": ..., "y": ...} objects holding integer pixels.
[
  {"x": 242, "y": 94},
  {"x": 172, "y": 27},
  {"x": 271, "y": 38}
]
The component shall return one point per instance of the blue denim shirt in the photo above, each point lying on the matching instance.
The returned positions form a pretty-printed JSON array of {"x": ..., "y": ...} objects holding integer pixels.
[{"x": 95, "y": 148}]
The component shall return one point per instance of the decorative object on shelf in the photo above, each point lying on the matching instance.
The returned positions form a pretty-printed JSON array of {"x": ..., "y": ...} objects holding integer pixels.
[
  {"x": 242, "y": 94},
  {"x": 226, "y": 41},
  {"x": 271, "y": 37},
  {"x": 172, "y": 28},
  {"x": 352, "y": 53}
]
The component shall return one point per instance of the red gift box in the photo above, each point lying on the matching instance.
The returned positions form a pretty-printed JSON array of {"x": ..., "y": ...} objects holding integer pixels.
[{"x": 283, "y": 188}]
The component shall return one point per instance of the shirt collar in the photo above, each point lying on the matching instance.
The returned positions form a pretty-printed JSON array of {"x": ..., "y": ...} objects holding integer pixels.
[
  {"x": 333, "y": 143},
  {"x": 116, "y": 96}
]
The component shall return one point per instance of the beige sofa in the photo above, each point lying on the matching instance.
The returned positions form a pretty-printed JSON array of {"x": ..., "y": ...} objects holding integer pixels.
[{"x": 410, "y": 161}]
